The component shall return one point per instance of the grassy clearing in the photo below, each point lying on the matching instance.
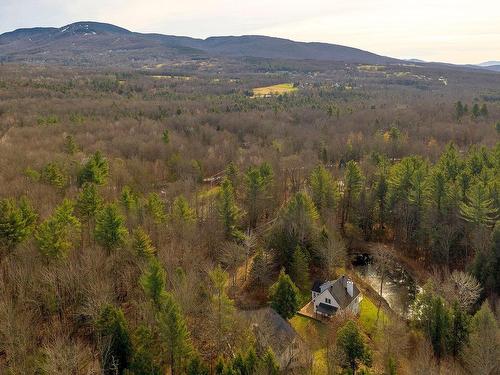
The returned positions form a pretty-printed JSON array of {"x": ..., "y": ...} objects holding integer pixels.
[
  {"x": 368, "y": 317},
  {"x": 371, "y": 68},
  {"x": 280, "y": 89}
]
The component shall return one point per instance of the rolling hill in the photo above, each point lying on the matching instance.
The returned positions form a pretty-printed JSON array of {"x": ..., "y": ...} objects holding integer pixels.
[{"x": 86, "y": 42}]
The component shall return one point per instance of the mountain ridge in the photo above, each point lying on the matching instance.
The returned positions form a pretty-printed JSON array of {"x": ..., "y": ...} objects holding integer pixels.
[{"x": 88, "y": 39}]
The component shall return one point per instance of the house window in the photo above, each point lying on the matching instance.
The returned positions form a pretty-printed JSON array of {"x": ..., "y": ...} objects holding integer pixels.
[{"x": 328, "y": 300}]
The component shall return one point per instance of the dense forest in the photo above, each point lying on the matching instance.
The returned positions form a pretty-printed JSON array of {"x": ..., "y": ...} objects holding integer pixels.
[{"x": 146, "y": 215}]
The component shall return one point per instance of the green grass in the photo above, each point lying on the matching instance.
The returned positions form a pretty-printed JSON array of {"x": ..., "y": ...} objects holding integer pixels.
[
  {"x": 280, "y": 89},
  {"x": 368, "y": 317},
  {"x": 319, "y": 362},
  {"x": 311, "y": 331}
]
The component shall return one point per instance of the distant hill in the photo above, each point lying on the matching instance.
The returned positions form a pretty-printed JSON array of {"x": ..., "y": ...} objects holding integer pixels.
[
  {"x": 89, "y": 41},
  {"x": 489, "y": 63}
]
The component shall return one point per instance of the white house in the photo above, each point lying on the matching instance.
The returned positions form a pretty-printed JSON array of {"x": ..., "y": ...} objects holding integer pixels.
[{"x": 331, "y": 296}]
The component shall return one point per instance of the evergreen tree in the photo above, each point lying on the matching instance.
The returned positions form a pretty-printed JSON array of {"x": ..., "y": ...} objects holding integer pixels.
[
  {"x": 88, "y": 204},
  {"x": 70, "y": 146},
  {"x": 296, "y": 225},
  {"x": 146, "y": 356},
  {"x": 259, "y": 270},
  {"x": 459, "y": 330},
  {"x": 54, "y": 236},
  {"x": 353, "y": 183},
  {"x": 351, "y": 345},
  {"x": 182, "y": 213},
  {"x": 110, "y": 231},
  {"x": 221, "y": 305},
  {"x": 94, "y": 171},
  {"x": 17, "y": 220},
  {"x": 431, "y": 315},
  {"x": 324, "y": 190},
  {"x": 479, "y": 208},
  {"x": 156, "y": 208},
  {"x": 285, "y": 296},
  {"x": 459, "y": 110},
  {"x": 128, "y": 199},
  {"x": 486, "y": 264},
  {"x": 53, "y": 175},
  {"x": 229, "y": 213},
  {"x": 174, "y": 334},
  {"x": 257, "y": 182},
  {"x": 142, "y": 244},
  {"x": 197, "y": 367},
  {"x": 476, "y": 112},
  {"x": 112, "y": 325},
  {"x": 269, "y": 365},
  {"x": 232, "y": 174},
  {"x": 299, "y": 269},
  {"x": 153, "y": 282}
]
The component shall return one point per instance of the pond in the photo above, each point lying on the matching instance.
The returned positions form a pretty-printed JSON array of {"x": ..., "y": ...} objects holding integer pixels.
[{"x": 399, "y": 288}]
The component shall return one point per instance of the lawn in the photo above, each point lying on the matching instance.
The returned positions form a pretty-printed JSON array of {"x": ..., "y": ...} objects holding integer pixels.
[
  {"x": 368, "y": 317},
  {"x": 280, "y": 89}
]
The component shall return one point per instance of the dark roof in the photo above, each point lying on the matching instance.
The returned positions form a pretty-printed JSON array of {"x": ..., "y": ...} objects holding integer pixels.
[
  {"x": 326, "y": 309},
  {"x": 317, "y": 286},
  {"x": 271, "y": 329},
  {"x": 339, "y": 292}
]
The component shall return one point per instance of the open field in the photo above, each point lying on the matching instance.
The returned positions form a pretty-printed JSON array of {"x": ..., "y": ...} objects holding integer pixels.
[{"x": 279, "y": 89}]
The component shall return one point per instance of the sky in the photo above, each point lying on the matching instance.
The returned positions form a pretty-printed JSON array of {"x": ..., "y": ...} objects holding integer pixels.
[{"x": 456, "y": 31}]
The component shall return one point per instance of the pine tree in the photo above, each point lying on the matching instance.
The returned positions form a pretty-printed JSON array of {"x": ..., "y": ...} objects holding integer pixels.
[
  {"x": 324, "y": 190},
  {"x": 459, "y": 330},
  {"x": 112, "y": 325},
  {"x": 128, "y": 199},
  {"x": 232, "y": 174},
  {"x": 17, "y": 220},
  {"x": 479, "y": 208},
  {"x": 299, "y": 269},
  {"x": 156, "y": 208},
  {"x": 229, "y": 213},
  {"x": 174, "y": 334},
  {"x": 142, "y": 244},
  {"x": 53, "y": 175},
  {"x": 351, "y": 344},
  {"x": 94, "y": 171},
  {"x": 153, "y": 282},
  {"x": 182, "y": 213},
  {"x": 146, "y": 357},
  {"x": 221, "y": 305},
  {"x": 197, "y": 367},
  {"x": 269, "y": 365},
  {"x": 54, "y": 237},
  {"x": 459, "y": 110},
  {"x": 284, "y": 296},
  {"x": 110, "y": 231},
  {"x": 88, "y": 204},
  {"x": 476, "y": 112},
  {"x": 353, "y": 183},
  {"x": 296, "y": 225},
  {"x": 70, "y": 146}
]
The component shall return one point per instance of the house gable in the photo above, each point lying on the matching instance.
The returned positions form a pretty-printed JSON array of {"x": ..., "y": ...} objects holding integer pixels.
[{"x": 326, "y": 298}]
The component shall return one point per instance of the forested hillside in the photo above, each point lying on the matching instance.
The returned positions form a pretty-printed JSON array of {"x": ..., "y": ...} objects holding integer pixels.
[{"x": 146, "y": 214}]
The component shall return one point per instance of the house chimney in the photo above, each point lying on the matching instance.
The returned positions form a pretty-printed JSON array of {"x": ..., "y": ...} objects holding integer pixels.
[{"x": 350, "y": 287}]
